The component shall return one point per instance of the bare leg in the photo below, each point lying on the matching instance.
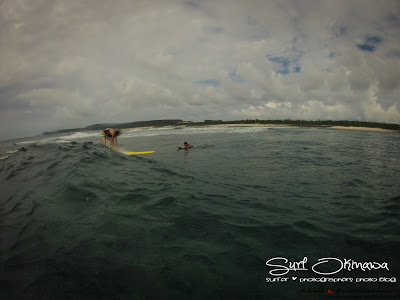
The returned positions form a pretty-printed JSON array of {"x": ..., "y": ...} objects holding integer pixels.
[
  {"x": 111, "y": 141},
  {"x": 116, "y": 144}
]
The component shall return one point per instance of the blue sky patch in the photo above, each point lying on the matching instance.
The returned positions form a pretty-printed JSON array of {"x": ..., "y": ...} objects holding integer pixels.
[
  {"x": 235, "y": 77},
  {"x": 373, "y": 40},
  {"x": 211, "y": 82},
  {"x": 366, "y": 47},
  {"x": 370, "y": 43},
  {"x": 286, "y": 63}
]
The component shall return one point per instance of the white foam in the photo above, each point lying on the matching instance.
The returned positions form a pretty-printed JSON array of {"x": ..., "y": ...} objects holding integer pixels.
[
  {"x": 11, "y": 152},
  {"x": 79, "y": 135},
  {"x": 27, "y": 142},
  {"x": 192, "y": 130}
]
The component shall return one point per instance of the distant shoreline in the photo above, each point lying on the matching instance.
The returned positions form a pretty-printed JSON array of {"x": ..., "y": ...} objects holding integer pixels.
[
  {"x": 355, "y": 125},
  {"x": 269, "y": 125},
  {"x": 323, "y": 126},
  {"x": 365, "y": 128}
]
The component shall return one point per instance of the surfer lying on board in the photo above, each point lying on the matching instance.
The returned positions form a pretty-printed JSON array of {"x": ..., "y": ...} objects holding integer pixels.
[
  {"x": 186, "y": 145},
  {"x": 111, "y": 135}
]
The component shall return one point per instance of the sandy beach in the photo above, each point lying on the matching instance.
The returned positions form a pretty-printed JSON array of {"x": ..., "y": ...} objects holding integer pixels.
[
  {"x": 288, "y": 125},
  {"x": 251, "y": 125},
  {"x": 364, "y": 128},
  {"x": 274, "y": 125}
]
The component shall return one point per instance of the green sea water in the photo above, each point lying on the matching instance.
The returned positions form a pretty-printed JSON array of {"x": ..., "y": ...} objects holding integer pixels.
[{"x": 80, "y": 221}]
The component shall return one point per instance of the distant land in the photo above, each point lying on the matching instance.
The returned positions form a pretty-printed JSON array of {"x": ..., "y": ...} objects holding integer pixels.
[
  {"x": 155, "y": 123},
  {"x": 178, "y": 122},
  {"x": 304, "y": 123}
]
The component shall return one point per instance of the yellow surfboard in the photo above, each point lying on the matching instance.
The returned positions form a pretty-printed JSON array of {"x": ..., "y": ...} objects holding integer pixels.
[{"x": 138, "y": 153}]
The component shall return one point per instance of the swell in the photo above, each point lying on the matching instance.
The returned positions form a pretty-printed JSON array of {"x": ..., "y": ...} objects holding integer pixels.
[
  {"x": 70, "y": 184},
  {"x": 79, "y": 218}
]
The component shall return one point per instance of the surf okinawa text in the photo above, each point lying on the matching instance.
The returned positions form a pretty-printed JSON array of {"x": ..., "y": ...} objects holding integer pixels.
[{"x": 324, "y": 266}]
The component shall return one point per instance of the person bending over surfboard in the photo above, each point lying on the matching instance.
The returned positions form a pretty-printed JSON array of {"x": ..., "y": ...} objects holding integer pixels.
[{"x": 111, "y": 135}]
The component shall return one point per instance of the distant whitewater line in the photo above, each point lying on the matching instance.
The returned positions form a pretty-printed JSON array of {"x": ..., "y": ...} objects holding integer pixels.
[
  {"x": 119, "y": 125},
  {"x": 256, "y": 122},
  {"x": 305, "y": 123}
]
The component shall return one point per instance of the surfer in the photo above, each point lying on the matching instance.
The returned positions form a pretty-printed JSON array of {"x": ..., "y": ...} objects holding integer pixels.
[
  {"x": 186, "y": 145},
  {"x": 111, "y": 135}
]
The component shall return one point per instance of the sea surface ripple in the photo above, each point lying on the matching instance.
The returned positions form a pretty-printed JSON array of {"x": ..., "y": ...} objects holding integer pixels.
[{"x": 80, "y": 221}]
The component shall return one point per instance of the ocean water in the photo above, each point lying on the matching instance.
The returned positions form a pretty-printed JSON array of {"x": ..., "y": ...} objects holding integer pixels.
[{"x": 80, "y": 221}]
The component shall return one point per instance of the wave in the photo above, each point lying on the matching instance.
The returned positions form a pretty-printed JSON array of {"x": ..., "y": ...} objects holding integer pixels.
[
  {"x": 78, "y": 135},
  {"x": 148, "y": 132},
  {"x": 80, "y": 218},
  {"x": 191, "y": 130}
]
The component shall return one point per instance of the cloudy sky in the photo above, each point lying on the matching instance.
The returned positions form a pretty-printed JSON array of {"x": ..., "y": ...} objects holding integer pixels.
[{"x": 67, "y": 64}]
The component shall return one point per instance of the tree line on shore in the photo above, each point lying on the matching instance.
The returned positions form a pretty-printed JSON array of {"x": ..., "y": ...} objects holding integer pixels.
[
  {"x": 179, "y": 122},
  {"x": 305, "y": 123},
  {"x": 156, "y": 123}
]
